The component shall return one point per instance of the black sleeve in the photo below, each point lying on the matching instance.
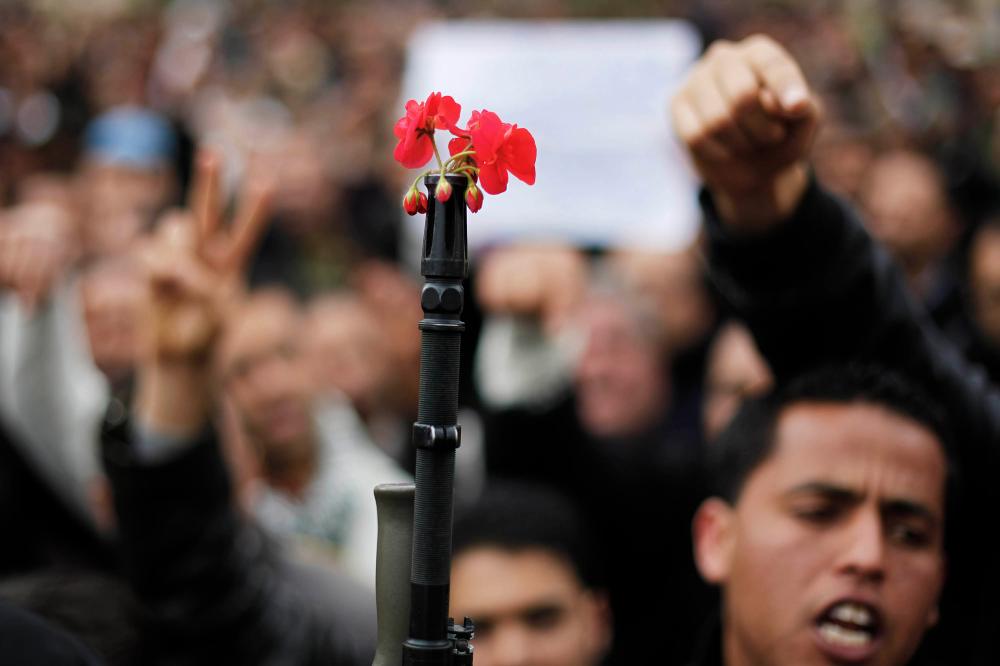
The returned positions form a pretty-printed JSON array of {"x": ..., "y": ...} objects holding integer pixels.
[
  {"x": 213, "y": 588},
  {"x": 27, "y": 640},
  {"x": 818, "y": 290}
]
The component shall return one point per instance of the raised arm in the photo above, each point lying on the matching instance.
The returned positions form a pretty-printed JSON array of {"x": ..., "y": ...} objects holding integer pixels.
[
  {"x": 51, "y": 394},
  {"x": 816, "y": 289},
  {"x": 795, "y": 261},
  {"x": 213, "y": 588}
]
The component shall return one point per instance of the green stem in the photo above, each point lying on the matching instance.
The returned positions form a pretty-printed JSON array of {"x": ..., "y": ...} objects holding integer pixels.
[
  {"x": 458, "y": 156},
  {"x": 421, "y": 177},
  {"x": 465, "y": 153},
  {"x": 438, "y": 156}
]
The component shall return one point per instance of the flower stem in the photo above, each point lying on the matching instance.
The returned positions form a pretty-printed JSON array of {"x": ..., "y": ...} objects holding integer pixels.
[
  {"x": 466, "y": 152},
  {"x": 421, "y": 177},
  {"x": 438, "y": 156},
  {"x": 462, "y": 154}
]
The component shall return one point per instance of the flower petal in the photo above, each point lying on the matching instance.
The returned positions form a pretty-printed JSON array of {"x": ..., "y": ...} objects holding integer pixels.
[
  {"x": 492, "y": 179},
  {"x": 432, "y": 103},
  {"x": 519, "y": 154},
  {"x": 401, "y": 126},
  {"x": 487, "y": 136},
  {"x": 414, "y": 153},
  {"x": 414, "y": 148},
  {"x": 458, "y": 145},
  {"x": 447, "y": 113}
]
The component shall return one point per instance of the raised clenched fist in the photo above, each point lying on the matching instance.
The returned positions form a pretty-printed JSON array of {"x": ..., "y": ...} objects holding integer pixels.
[
  {"x": 38, "y": 243},
  {"x": 748, "y": 118}
]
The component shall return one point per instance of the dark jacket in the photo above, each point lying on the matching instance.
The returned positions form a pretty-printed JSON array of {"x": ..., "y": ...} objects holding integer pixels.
[
  {"x": 214, "y": 589},
  {"x": 39, "y": 529},
  {"x": 638, "y": 494},
  {"x": 27, "y": 640},
  {"x": 709, "y": 648},
  {"x": 818, "y": 290}
]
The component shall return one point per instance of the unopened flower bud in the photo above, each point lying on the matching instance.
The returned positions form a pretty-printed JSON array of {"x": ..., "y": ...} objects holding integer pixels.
[
  {"x": 443, "y": 190},
  {"x": 422, "y": 203},
  {"x": 411, "y": 202},
  {"x": 474, "y": 198}
]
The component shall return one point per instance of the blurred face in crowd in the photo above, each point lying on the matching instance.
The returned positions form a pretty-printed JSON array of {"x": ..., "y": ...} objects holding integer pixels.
[
  {"x": 621, "y": 382},
  {"x": 674, "y": 285},
  {"x": 47, "y": 187},
  {"x": 530, "y": 608},
  {"x": 735, "y": 371},
  {"x": 261, "y": 367},
  {"x": 120, "y": 202},
  {"x": 305, "y": 196},
  {"x": 907, "y": 209},
  {"x": 113, "y": 292},
  {"x": 841, "y": 160},
  {"x": 393, "y": 298},
  {"x": 347, "y": 350},
  {"x": 832, "y": 553},
  {"x": 984, "y": 281}
]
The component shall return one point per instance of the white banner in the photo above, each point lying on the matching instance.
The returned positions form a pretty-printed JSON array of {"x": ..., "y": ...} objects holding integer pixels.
[{"x": 595, "y": 95}]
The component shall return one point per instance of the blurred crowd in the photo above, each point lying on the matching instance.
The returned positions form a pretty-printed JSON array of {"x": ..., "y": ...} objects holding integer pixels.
[{"x": 600, "y": 373}]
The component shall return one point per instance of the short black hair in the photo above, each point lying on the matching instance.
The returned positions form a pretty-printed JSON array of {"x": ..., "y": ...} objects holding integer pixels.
[
  {"x": 516, "y": 516},
  {"x": 748, "y": 440}
]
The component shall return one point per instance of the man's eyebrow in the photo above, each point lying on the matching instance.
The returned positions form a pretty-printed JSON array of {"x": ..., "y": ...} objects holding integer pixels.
[
  {"x": 894, "y": 507},
  {"x": 905, "y": 508},
  {"x": 541, "y": 609},
  {"x": 829, "y": 490}
]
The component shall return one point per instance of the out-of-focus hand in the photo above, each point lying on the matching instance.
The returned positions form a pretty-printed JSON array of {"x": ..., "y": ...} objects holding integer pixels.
[
  {"x": 194, "y": 267},
  {"x": 748, "y": 118},
  {"x": 38, "y": 242},
  {"x": 543, "y": 281}
]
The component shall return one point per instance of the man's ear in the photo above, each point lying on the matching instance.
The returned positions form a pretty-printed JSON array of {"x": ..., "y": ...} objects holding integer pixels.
[
  {"x": 935, "y": 613},
  {"x": 714, "y": 535},
  {"x": 597, "y": 613}
]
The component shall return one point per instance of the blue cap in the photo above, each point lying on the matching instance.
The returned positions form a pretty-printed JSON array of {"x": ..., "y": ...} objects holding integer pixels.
[{"x": 130, "y": 136}]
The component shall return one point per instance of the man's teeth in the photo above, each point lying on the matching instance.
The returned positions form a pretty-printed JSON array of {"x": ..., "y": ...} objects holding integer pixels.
[
  {"x": 834, "y": 634},
  {"x": 852, "y": 614}
]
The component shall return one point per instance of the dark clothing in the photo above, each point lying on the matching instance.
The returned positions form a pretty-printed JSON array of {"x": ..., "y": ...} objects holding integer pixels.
[
  {"x": 639, "y": 494},
  {"x": 985, "y": 353},
  {"x": 97, "y": 609},
  {"x": 817, "y": 290},
  {"x": 709, "y": 650},
  {"x": 26, "y": 640},
  {"x": 214, "y": 589},
  {"x": 40, "y": 530}
]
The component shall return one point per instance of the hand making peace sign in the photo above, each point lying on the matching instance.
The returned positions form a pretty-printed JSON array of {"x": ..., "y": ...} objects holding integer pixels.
[{"x": 195, "y": 265}]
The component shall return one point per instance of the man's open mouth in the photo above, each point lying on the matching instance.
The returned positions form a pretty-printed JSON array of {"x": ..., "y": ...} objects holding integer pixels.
[{"x": 849, "y": 630}]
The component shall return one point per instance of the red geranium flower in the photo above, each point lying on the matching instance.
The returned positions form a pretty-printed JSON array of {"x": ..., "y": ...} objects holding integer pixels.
[
  {"x": 415, "y": 130},
  {"x": 443, "y": 190},
  {"x": 501, "y": 148},
  {"x": 474, "y": 198},
  {"x": 411, "y": 202},
  {"x": 459, "y": 145},
  {"x": 492, "y": 150}
]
